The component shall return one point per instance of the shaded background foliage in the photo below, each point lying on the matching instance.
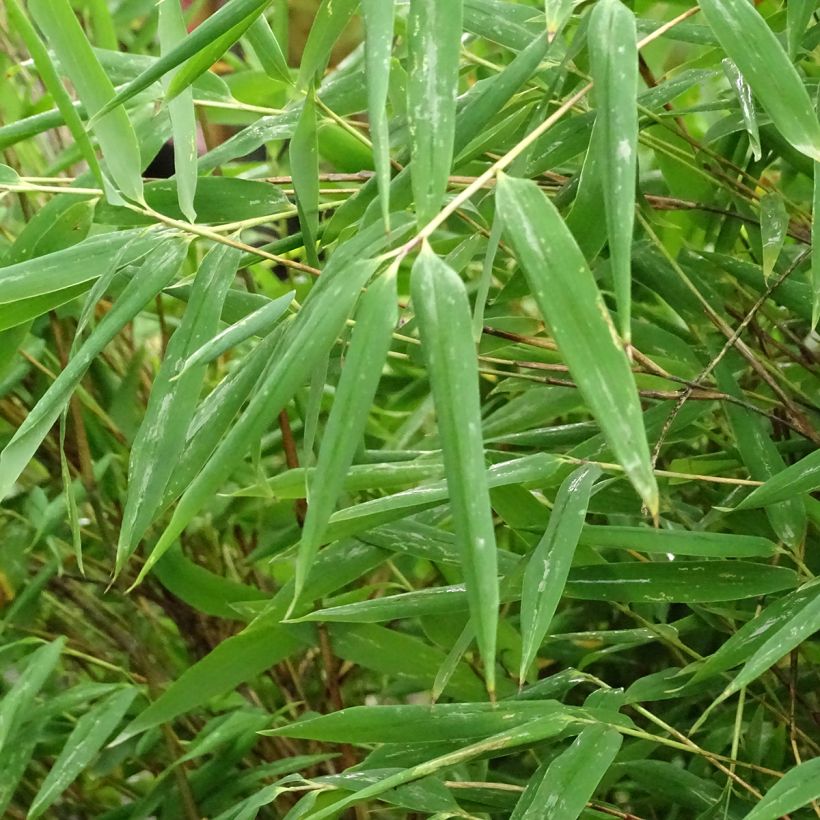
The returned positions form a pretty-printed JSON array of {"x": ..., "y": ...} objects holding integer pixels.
[{"x": 263, "y": 503}]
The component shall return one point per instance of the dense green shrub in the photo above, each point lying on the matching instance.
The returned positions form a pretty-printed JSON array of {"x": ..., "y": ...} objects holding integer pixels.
[{"x": 431, "y": 431}]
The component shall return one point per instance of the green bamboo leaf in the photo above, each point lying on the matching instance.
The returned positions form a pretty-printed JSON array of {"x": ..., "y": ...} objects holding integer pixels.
[
  {"x": 753, "y": 437},
  {"x": 753, "y": 47},
  {"x": 360, "y": 517},
  {"x": 774, "y": 225},
  {"x": 680, "y": 581},
  {"x": 172, "y": 30},
  {"x": 443, "y": 315},
  {"x": 304, "y": 168},
  {"x": 259, "y": 322},
  {"x": 328, "y": 23},
  {"x": 421, "y": 724},
  {"x": 452, "y": 661},
  {"x": 678, "y": 542},
  {"x": 568, "y": 297},
  {"x": 747, "y": 105},
  {"x": 102, "y": 23},
  {"x": 202, "y": 589},
  {"x": 797, "y": 788},
  {"x": 114, "y": 132},
  {"x": 801, "y": 477},
  {"x": 312, "y": 334},
  {"x": 159, "y": 267},
  {"x": 798, "y": 16},
  {"x": 778, "y": 642},
  {"x": 560, "y": 790},
  {"x": 433, "y": 43},
  {"x": 268, "y": 51},
  {"x": 259, "y": 646},
  {"x": 528, "y": 734},
  {"x": 205, "y": 33},
  {"x": 550, "y": 562},
  {"x": 815, "y": 249},
  {"x": 747, "y": 641},
  {"x": 161, "y": 436},
  {"x": 51, "y": 79},
  {"x": 613, "y": 54},
  {"x": 76, "y": 265},
  {"x": 85, "y": 741},
  {"x": 16, "y": 702},
  {"x": 376, "y": 319},
  {"x": 197, "y": 64},
  {"x": 378, "y": 23},
  {"x": 558, "y": 13}
]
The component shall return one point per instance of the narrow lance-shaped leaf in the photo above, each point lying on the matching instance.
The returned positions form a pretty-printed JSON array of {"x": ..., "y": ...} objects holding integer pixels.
[
  {"x": 85, "y": 741},
  {"x": 161, "y": 437},
  {"x": 797, "y": 788},
  {"x": 376, "y": 318},
  {"x": 17, "y": 700},
  {"x": 754, "y": 48},
  {"x": 801, "y": 477},
  {"x": 800, "y": 626},
  {"x": 197, "y": 64},
  {"x": 613, "y": 54},
  {"x": 774, "y": 224},
  {"x": 159, "y": 267},
  {"x": 815, "y": 248},
  {"x": 434, "y": 40},
  {"x": 550, "y": 562},
  {"x": 51, "y": 80},
  {"x": 304, "y": 169},
  {"x": 378, "y": 24},
  {"x": 561, "y": 789},
  {"x": 115, "y": 134},
  {"x": 759, "y": 453},
  {"x": 312, "y": 334},
  {"x": 569, "y": 299},
  {"x": 443, "y": 313},
  {"x": 747, "y": 105},
  {"x": 172, "y": 30},
  {"x": 205, "y": 33},
  {"x": 798, "y": 17},
  {"x": 258, "y": 323},
  {"x": 328, "y": 23},
  {"x": 268, "y": 51}
]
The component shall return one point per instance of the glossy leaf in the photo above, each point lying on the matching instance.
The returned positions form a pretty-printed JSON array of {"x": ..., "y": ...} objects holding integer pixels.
[
  {"x": 550, "y": 562},
  {"x": 85, "y": 741},
  {"x": 160, "y": 266},
  {"x": 753, "y": 47},
  {"x": 378, "y": 21},
  {"x": 114, "y": 132},
  {"x": 774, "y": 224},
  {"x": 568, "y": 297},
  {"x": 172, "y": 31},
  {"x": 798, "y": 787},
  {"x": 434, "y": 39},
  {"x": 562, "y": 789},
  {"x": 613, "y": 55},
  {"x": 376, "y": 319},
  {"x": 161, "y": 437},
  {"x": 268, "y": 51},
  {"x": 443, "y": 314},
  {"x": 311, "y": 335}
]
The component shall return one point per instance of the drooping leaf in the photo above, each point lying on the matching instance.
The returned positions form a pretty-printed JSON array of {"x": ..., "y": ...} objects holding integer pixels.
[
  {"x": 172, "y": 31},
  {"x": 434, "y": 40},
  {"x": 568, "y": 297},
  {"x": 375, "y": 320},
  {"x": 798, "y": 787},
  {"x": 443, "y": 314},
  {"x": 753, "y": 47},
  {"x": 550, "y": 562},
  {"x": 613, "y": 55},
  {"x": 561, "y": 789},
  {"x": 85, "y": 741},
  {"x": 774, "y": 224},
  {"x": 304, "y": 167},
  {"x": 116, "y": 136},
  {"x": 378, "y": 21}
]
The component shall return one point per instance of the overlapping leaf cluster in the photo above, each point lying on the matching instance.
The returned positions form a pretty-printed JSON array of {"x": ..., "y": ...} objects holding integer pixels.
[{"x": 437, "y": 436}]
